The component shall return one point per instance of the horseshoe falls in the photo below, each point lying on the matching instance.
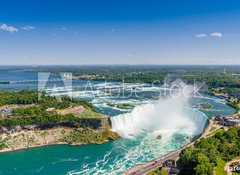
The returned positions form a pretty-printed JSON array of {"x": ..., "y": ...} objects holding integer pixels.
[{"x": 172, "y": 114}]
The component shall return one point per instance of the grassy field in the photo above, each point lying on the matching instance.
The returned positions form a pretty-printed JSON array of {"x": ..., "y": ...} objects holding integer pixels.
[
  {"x": 219, "y": 170},
  {"x": 158, "y": 171},
  {"x": 89, "y": 114}
]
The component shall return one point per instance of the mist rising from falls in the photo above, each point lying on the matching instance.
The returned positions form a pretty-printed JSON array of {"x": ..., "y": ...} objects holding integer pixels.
[{"x": 172, "y": 114}]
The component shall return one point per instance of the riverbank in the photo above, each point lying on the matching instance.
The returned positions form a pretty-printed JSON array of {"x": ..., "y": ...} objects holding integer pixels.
[
  {"x": 55, "y": 136},
  {"x": 232, "y": 101}
]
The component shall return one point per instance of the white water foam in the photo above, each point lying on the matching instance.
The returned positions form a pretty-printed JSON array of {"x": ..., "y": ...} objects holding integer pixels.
[{"x": 172, "y": 113}]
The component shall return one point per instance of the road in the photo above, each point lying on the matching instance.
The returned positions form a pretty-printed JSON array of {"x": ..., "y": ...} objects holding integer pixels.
[
  {"x": 229, "y": 172},
  {"x": 145, "y": 168}
]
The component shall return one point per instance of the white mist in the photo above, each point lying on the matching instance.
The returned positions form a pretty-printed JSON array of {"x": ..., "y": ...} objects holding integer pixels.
[{"x": 170, "y": 114}]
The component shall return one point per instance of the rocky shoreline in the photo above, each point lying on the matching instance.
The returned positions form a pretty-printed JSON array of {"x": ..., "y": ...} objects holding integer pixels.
[{"x": 55, "y": 136}]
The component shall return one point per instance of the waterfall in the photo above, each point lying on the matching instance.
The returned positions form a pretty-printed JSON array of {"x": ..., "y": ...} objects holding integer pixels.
[
  {"x": 167, "y": 114},
  {"x": 160, "y": 116}
]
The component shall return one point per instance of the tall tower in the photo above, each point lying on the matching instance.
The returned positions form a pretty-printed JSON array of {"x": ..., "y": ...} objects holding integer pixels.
[{"x": 224, "y": 71}]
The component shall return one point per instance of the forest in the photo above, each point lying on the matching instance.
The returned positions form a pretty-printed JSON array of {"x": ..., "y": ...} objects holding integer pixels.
[
  {"x": 212, "y": 76},
  {"x": 207, "y": 153},
  {"x": 36, "y": 112}
]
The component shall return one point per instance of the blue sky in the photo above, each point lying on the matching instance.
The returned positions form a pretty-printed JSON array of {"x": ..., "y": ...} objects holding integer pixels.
[{"x": 119, "y": 32}]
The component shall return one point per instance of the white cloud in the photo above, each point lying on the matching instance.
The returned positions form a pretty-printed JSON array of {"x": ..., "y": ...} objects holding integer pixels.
[
  {"x": 201, "y": 35},
  {"x": 216, "y": 34},
  {"x": 7, "y": 28},
  {"x": 28, "y": 27}
]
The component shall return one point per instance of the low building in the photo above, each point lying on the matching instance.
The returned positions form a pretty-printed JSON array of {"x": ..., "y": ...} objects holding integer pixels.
[
  {"x": 169, "y": 163},
  {"x": 228, "y": 121},
  {"x": 235, "y": 95}
]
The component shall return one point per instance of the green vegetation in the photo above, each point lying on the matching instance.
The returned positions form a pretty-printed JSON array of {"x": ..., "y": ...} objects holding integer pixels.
[
  {"x": 216, "y": 131},
  {"x": 2, "y": 145},
  {"x": 40, "y": 109},
  {"x": 234, "y": 105},
  {"x": 36, "y": 120},
  {"x": 159, "y": 171},
  {"x": 66, "y": 102},
  {"x": 235, "y": 173},
  {"x": 37, "y": 113},
  {"x": 219, "y": 170},
  {"x": 122, "y": 105},
  {"x": 87, "y": 119},
  {"x": 32, "y": 111},
  {"x": 213, "y": 76},
  {"x": 24, "y": 109},
  {"x": 18, "y": 97},
  {"x": 31, "y": 97},
  {"x": 206, "y": 106},
  {"x": 212, "y": 128},
  {"x": 208, "y": 153},
  {"x": 85, "y": 135},
  {"x": 89, "y": 114}
]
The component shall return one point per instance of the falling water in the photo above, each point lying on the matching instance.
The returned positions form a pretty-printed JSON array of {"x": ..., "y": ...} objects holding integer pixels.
[{"x": 172, "y": 113}]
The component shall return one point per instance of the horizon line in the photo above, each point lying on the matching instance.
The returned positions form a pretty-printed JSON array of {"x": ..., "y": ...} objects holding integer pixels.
[{"x": 119, "y": 65}]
